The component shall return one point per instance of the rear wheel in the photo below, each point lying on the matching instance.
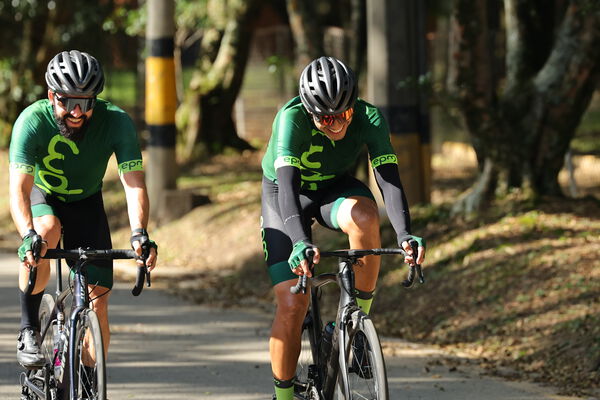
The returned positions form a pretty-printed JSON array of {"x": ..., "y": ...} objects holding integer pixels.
[
  {"x": 365, "y": 367},
  {"x": 90, "y": 370}
]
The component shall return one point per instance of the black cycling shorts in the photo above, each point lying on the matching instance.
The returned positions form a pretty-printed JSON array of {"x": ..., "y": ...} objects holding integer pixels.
[
  {"x": 321, "y": 205},
  {"x": 84, "y": 224}
]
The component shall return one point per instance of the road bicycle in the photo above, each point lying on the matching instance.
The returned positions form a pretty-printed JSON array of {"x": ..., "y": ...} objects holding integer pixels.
[
  {"x": 343, "y": 358},
  {"x": 73, "y": 348}
]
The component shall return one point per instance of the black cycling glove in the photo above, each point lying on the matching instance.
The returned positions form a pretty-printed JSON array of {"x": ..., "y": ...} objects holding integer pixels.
[{"x": 141, "y": 235}]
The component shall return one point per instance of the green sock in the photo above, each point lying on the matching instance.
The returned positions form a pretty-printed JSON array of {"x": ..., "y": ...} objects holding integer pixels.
[
  {"x": 284, "y": 389},
  {"x": 364, "y": 300},
  {"x": 364, "y": 305}
]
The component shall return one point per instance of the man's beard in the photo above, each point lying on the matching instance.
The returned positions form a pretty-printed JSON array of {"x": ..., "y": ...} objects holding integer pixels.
[{"x": 74, "y": 134}]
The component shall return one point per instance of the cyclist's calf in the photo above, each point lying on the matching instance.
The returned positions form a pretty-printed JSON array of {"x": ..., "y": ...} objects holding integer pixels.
[{"x": 99, "y": 296}]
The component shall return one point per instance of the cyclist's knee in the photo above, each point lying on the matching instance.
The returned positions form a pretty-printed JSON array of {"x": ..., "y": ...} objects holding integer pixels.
[
  {"x": 290, "y": 306},
  {"x": 358, "y": 215},
  {"x": 49, "y": 227}
]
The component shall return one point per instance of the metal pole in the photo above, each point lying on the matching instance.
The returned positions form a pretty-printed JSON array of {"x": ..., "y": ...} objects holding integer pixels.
[{"x": 161, "y": 104}]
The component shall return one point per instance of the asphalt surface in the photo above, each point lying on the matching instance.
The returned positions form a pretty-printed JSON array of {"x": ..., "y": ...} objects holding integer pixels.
[{"x": 164, "y": 348}]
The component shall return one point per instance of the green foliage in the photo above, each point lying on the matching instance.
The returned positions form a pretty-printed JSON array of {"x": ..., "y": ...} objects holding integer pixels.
[
  {"x": 189, "y": 15},
  {"x": 528, "y": 220},
  {"x": 33, "y": 32},
  {"x": 131, "y": 21},
  {"x": 586, "y": 139},
  {"x": 120, "y": 88}
]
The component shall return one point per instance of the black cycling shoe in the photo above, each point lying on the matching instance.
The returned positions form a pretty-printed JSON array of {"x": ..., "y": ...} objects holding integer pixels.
[
  {"x": 360, "y": 362},
  {"x": 28, "y": 349}
]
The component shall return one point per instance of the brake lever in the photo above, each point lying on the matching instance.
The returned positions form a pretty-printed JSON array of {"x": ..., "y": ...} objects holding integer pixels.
[
  {"x": 37, "y": 253},
  {"x": 415, "y": 270},
  {"x": 300, "y": 287}
]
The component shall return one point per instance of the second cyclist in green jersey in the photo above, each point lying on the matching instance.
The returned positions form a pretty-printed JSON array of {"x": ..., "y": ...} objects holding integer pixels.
[
  {"x": 316, "y": 140},
  {"x": 59, "y": 151}
]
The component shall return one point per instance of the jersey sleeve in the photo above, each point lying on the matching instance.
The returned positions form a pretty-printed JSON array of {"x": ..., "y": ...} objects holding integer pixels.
[
  {"x": 377, "y": 137},
  {"x": 24, "y": 142},
  {"x": 126, "y": 144},
  {"x": 292, "y": 132},
  {"x": 385, "y": 167}
]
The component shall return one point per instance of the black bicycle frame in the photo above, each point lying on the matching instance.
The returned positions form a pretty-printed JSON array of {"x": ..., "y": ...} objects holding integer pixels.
[
  {"x": 80, "y": 301},
  {"x": 347, "y": 303}
]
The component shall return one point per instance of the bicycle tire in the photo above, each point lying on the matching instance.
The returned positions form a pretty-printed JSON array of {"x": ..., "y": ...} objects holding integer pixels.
[
  {"x": 41, "y": 378},
  {"x": 367, "y": 376},
  {"x": 306, "y": 359},
  {"x": 90, "y": 368},
  {"x": 45, "y": 314},
  {"x": 48, "y": 345}
]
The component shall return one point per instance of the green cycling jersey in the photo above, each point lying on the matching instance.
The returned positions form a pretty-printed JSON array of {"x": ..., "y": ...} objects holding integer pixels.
[
  {"x": 295, "y": 141},
  {"x": 73, "y": 170}
]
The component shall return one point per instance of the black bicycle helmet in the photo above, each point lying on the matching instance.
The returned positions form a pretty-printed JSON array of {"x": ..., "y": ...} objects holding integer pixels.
[
  {"x": 75, "y": 73},
  {"x": 327, "y": 86}
]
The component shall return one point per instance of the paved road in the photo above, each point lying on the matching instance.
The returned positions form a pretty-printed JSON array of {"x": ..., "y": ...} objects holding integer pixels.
[{"x": 163, "y": 348}]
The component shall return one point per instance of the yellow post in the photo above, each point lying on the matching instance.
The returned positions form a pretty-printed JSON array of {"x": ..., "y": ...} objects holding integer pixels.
[{"x": 161, "y": 104}]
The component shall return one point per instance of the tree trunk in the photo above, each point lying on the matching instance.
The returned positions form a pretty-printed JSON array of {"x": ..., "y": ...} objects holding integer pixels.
[
  {"x": 522, "y": 131},
  {"x": 216, "y": 82},
  {"x": 356, "y": 35},
  {"x": 306, "y": 30}
]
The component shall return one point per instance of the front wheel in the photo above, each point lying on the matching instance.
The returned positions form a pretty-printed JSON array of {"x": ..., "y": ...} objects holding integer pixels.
[
  {"x": 305, "y": 385},
  {"x": 49, "y": 346},
  {"x": 90, "y": 370},
  {"x": 365, "y": 368}
]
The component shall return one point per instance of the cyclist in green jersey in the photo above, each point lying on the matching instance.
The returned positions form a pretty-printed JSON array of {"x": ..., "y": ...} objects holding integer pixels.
[
  {"x": 59, "y": 151},
  {"x": 317, "y": 137}
]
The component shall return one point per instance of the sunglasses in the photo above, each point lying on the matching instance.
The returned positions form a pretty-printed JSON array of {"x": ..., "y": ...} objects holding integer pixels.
[
  {"x": 69, "y": 103},
  {"x": 330, "y": 119}
]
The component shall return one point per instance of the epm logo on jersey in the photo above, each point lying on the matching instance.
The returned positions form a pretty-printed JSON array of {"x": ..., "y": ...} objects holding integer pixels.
[
  {"x": 283, "y": 161},
  {"x": 22, "y": 168},
  {"x": 128, "y": 166},
  {"x": 385, "y": 159}
]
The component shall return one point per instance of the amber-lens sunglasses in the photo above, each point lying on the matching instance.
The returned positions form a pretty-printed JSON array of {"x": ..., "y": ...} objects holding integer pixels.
[{"x": 330, "y": 119}]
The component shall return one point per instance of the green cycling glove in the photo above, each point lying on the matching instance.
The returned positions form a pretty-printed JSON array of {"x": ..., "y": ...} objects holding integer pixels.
[
  {"x": 408, "y": 238},
  {"x": 299, "y": 253},
  {"x": 31, "y": 242}
]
